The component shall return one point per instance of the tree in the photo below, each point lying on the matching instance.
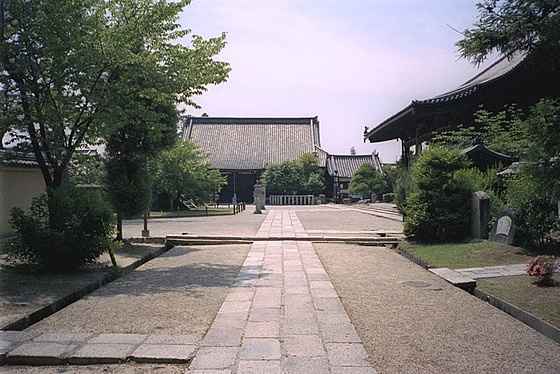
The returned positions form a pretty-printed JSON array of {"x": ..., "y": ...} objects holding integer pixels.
[
  {"x": 183, "y": 173},
  {"x": 75, "y": 72},
  {"x": 367, "y": 181},
  {"x": 439, "y": 210},
  {"x": 510, "y": 26},
  {"x": 501, "y": 132},
  {"x": 293, "y": 177},
  {"x": 67, "y": 66}
]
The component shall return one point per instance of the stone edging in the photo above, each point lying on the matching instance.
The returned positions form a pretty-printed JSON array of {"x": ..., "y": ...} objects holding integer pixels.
[
  {"x": 25, "y": 322},
  {"x": 527, "y": 318}
]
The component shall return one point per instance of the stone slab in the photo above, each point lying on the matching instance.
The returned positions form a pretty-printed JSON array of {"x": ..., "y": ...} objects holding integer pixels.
[
  {"x": 39, "y": 353},
  {"x": 163, "y": 353},
  {"x": 101, "y": 354},
  {"x": 455, "y": 278}
]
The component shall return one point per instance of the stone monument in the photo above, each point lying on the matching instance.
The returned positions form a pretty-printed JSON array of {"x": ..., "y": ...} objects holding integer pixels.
[
  {"x": 258, "y": 196},
  {"x": 503, "y": 229},
  {"x": 480, "y": 214}
]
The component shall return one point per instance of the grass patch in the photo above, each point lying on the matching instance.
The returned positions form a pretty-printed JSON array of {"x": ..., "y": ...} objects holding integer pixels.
[
  {"x": 459, "y": 256},
  {"x": 525, "y": 293},
  {"x": 200, "y": 211}
]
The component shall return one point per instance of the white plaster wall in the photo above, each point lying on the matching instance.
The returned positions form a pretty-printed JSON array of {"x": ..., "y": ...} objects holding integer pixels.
[{"x": 18, "y": 186}]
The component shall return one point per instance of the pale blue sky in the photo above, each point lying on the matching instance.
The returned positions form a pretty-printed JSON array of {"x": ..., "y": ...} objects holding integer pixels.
[{"x": 351, "y": 63}]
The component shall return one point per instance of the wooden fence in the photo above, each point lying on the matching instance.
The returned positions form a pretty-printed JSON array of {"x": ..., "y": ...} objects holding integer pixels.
[{"x": 291, "y": 200}]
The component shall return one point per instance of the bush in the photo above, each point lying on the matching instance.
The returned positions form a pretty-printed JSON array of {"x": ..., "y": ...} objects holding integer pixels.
[
  {"x": 542, "y": 267},
  {"x": 63, "y": 230},
  {"x": 440, "y": 209},
  {"x": 388, "y": 197}
]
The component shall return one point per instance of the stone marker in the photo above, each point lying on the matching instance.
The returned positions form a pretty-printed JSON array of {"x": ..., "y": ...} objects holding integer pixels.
[
  {"x": 504, "y": 228},
  {"x": 480, "y": 214},
  {"x": 258, "y": 195}
]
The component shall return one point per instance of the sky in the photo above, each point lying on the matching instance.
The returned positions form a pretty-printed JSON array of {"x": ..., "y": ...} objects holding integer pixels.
[{"x": 351, "y": 63}]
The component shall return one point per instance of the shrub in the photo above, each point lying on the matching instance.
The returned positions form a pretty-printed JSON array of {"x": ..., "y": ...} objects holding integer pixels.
[
  {"x": 542, "y": 267},
  {"x": 63, "y": 230},
  {"x": 440, "y": 209}
]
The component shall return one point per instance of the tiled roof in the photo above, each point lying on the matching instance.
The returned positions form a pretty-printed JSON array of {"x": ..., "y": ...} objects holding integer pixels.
[
  {"x": 345, "y": 166},
  {"x": 497, "y": 70},
  {"x": 394, "y": 126},
  {"x": 17, "y": 159},
  {"x": 252, "y": 143}
]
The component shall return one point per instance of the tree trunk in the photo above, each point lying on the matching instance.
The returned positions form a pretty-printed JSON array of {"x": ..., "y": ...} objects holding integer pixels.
[{"x": 119, "y": 227}]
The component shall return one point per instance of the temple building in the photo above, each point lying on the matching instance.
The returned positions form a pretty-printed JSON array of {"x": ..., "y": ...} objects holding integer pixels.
[{"x": 524, "y": 79}]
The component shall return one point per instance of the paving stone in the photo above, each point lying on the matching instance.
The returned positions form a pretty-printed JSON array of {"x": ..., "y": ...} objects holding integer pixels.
[
  {"x": 102, "y": 354},
  {"x": 240, "y": 295},
  {"x": 307, "y": 365},
  {"x": 5, "y": 347},
  {"x": 188, "y": 339},
  {"x": 352, "y": 370},
  {"x": 222, "y": 337},
  {"x": 264, "y": 314},
  {"x": 301, "y": 326},
  {"x": 63, "y": 337},
  {"x": 260, "y": 349},
  {"x": 346, "y": 354},
  {"x": 216, "y": 358},
  {"x": 268, "y": 329},
  {"x": 304, "y": 346},
  {"x": 118, "y": 339},
  {"x": 259, "y": 367},
  {"x": 18, "y": 336},
  {"x": 339, "y": 333},
  {"x": 39, "y": 353},
  {"x": 163, "y": 353},
  {"x": 230, "y": 320},
  {"x": 328, "y": 303},
  {"x": 235, "y": 307}
]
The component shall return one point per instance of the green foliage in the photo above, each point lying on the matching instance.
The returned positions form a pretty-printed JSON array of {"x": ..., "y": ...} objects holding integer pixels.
[
  {"x": 542, "y": 130},
  {"x": 183, "y": 172},
  {"x": 64, "y": 229},
  {"x": 501, "y": 132},
  {"x": 534, "y": 211},
  {"x": 294, "y": 177},
  {"x": 367, "y": 181},
  {"x": 75, "y": 70},
  {"x": 508, "y": 26},
  {"x": 128, "y": 187},
  {"x": 440, "y": 209}
]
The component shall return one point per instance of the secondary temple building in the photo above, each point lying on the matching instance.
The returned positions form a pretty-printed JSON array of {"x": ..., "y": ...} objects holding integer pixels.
[{"x": 241, "y": 149}]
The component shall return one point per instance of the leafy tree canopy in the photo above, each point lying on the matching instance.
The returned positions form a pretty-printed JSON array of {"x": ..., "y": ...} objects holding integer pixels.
[
  {"x": 303, "y": 176},
  {"x": 183, "y": 173},
  {"x": 73, "y": 71},
  {"x": 509, "y": 26},
  {"x": 501, "y": 132},
  {"x": 367, "y": 181}
]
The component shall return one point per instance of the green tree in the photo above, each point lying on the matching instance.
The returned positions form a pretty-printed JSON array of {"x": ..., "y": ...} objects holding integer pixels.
[
  {"x": 74, "y": 72},
  {"x": 183, "y": 173},
  {"x": 293, "y": 177},
  {"x": 509, "y": 26},
  {"x": 284, "y": 178},
  {"x": 367, "y": 181},
  {"x": 439, "y": 210},
  {"x": 67, "y": 66},
  {"x": 501, "y": 132}
]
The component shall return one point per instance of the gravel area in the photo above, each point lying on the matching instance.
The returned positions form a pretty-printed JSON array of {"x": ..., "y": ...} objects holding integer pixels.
[
  {"x": 344, "y": 220},
  {"x": 187, "y": 286},
  {"x": 411, "y": 321},
  {"x": 244, "y": 223}
]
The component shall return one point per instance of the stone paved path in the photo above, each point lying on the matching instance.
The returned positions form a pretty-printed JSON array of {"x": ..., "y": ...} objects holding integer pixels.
[{"x": 283, "y": 314}]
